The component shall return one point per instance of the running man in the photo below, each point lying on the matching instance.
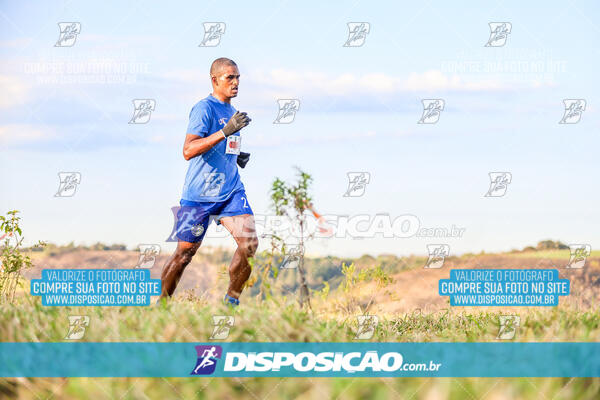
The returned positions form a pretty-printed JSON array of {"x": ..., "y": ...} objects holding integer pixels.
[
  {"x": 206, "y": 361},
  {"x": 213, "y": 188}
]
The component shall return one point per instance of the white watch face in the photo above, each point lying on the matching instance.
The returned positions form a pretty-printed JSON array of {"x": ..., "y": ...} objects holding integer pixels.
[{"x": 234, "y": 145}]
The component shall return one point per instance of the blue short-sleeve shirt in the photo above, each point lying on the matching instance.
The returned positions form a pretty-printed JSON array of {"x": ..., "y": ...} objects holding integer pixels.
[{"x": 212, "y": 176}]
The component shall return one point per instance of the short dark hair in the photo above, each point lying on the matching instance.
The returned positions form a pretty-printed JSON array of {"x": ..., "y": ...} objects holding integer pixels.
[{"x": 220, "y": 63}]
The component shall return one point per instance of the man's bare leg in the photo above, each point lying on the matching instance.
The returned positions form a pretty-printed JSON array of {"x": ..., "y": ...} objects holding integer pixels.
[
  {"x": 171, "y": 273},
  {"x": 243, "y": 231}
]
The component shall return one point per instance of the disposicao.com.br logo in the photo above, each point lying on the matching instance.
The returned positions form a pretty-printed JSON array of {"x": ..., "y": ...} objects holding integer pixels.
[{"x": 319, "y": 363}]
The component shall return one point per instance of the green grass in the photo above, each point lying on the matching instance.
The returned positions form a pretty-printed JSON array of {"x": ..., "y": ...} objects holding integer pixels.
[
  {"x": 302, "y": 388},
  {"x": 189, "y": 320}
]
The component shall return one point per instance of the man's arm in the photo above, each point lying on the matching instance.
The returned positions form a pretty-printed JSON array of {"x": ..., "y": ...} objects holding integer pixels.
[{"x": 195, "y": 145}]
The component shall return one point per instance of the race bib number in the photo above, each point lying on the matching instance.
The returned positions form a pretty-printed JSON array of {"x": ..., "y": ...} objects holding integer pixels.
[{"x": 234, "y": 145}]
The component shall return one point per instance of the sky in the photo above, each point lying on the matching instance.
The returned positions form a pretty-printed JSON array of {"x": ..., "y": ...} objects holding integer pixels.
[{"x": 68, "y": 108}]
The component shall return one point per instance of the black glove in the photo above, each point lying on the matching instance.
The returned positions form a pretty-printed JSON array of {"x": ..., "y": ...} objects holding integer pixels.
[
  {"x": 242, "y": 159},
  {"x": 235, "y": 123}
]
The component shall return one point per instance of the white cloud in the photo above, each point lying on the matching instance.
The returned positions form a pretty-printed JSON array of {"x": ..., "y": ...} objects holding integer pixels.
[
  {"x": 156, "y": 139},
  {"x": 22, "y": 133},
  {"x": 15, "y": 43},
  {"x": 14, "y": 91},
  {"x": 282, "y": 80},
  {"x": 167, "y": 117},
  {"x": 437, "y": 80},
  {"x": 188, "y": 76},
  {"x": 263, "y": 86}
]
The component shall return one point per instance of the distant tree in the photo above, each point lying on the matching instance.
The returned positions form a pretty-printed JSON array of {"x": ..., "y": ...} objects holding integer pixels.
[{"x": 551, "y": 245}]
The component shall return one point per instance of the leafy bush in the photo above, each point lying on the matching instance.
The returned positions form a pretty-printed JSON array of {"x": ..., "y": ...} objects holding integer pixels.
[{"x": 13, "y": 261}]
